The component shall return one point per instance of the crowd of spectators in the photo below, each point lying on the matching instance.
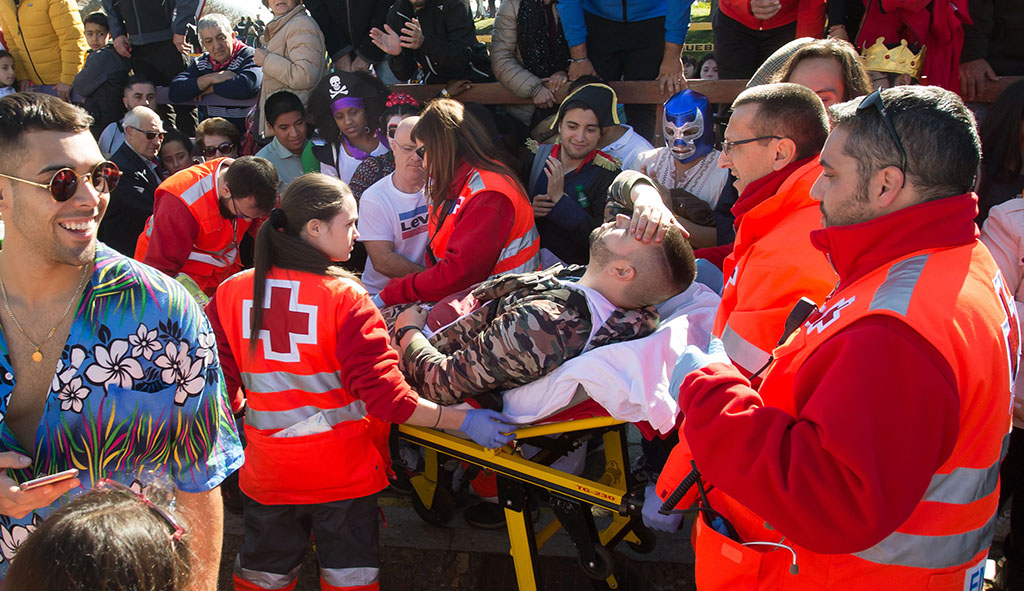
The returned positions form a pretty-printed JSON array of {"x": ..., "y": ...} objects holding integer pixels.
[{"x": 433, "y": 198}]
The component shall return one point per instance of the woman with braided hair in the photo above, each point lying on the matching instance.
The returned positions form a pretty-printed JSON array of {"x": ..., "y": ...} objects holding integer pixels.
[{"x": 303, "y": 339}]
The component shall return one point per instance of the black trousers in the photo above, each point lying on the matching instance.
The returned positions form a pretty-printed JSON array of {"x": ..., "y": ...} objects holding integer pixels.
[
  {"x": 740, "y": 51},
  {"x": 276, "y": 536},
  {"x": 161, "y": 62},
  {"x": 627, "y": 51}
]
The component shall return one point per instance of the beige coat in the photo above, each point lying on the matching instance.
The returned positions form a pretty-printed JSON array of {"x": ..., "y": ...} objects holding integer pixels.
[{"x": 297, "y": 57}]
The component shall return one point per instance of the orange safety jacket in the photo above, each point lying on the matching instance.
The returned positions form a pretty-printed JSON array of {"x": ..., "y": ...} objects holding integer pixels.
[
  {"x": 955, "y": 299},
  {"x": 773, "y": 264},
  {"x": 336, "y": 450},
  {"x": 522, "y": 249},
  {"x": 214, "y": 255}
]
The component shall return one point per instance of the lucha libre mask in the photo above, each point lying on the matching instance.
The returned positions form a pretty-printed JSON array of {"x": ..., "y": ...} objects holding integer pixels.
[{"x": 688, "y": 126}]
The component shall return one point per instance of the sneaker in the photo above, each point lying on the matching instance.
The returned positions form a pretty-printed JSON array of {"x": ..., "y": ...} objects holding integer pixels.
[{"x": 485, "y": 515}]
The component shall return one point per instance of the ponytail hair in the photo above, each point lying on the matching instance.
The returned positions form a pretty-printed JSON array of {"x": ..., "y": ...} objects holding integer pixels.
[{"x": 280, "y": 242}]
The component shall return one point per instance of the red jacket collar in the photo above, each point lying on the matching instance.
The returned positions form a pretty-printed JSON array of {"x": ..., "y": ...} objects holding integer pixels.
[
  {"x": 764, "y": 188},
  {"x": 857, "y": 249}
]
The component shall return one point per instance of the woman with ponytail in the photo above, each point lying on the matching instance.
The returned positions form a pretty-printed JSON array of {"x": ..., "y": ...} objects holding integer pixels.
[{"x": 300, "y": 335}]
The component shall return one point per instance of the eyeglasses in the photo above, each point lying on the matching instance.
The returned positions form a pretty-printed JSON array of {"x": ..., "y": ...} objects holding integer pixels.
[
  {"x": 178, "y": 531},
  {"x": 874, "y": 101},
  {"x": 62, "y": 185},
  {"x": 391, "y": 131},
  {"x": 420, "y": 151},
  {"x": 728, "y": 145},
  {"x": 225, "y": 149},
  {"x": 150, "y": 135}
]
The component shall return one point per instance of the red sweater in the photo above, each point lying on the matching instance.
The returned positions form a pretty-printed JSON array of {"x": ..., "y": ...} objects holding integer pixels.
[
  {"x": 881, "y": 411},
  {"x": 481, "y": 230},
  {"x": 808, "y": 14}
]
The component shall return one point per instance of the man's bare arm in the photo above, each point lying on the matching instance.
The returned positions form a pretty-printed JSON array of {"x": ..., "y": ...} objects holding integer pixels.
[{"x": 204, "y": 520}]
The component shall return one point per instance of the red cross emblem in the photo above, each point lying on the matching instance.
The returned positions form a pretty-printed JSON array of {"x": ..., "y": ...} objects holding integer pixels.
[
  {"x": 829, "y": 316},
  {"x": 291, "y": 324}
]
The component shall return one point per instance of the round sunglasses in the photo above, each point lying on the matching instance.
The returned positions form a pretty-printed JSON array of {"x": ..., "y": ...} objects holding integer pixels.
[
  {"x": 225, "y": 149},
  {"x": 64, "y": 182}
]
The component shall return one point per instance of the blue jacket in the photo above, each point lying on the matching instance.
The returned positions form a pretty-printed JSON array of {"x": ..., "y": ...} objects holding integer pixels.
[
  {"x": 245, "y": 84},
  {"x": 676, "y": 13}
]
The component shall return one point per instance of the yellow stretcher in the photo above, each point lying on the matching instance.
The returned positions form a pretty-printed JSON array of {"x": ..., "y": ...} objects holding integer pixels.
[{"x": 571, "y": 497}]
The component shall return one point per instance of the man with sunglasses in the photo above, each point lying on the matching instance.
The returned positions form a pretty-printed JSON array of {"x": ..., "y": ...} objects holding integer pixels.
[
  {"x": 201, "y": 214},
  {"x": 872, "y": 449},
  {"x": 107, "y": 365},
  {"x": 131, "y": 202}
]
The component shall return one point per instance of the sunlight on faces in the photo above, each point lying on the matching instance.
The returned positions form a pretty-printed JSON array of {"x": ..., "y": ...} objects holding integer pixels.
[
  {"x": 137, "y": 139},
  {"x": 290, "y": 129},
  {"x": 842, "y": 194},
  {"x": 822, "y": 75},
  {"x": 406, "y": 159},
  {"x": 612, "y": 241},
  {"x": 245, "y": 208},
  {"x": 748, "y": 162},
  {"x": 579, "y": 132},
  {"x": 709, "y": 71},
  {"x": 279, "y": 7},
  {"x": 140, "y": 95},
  {"x": 96, "y": 36},
  {"x": 215, "y": 140},
  {"x": 351, "y": 122},
  {"x": 7, "y": 74},
  {"x": 335, "y": 237},
  {"x": 217, "y": 42},
  {"x": 62, "y": 233},
  {"x": 174, "y": 156}
]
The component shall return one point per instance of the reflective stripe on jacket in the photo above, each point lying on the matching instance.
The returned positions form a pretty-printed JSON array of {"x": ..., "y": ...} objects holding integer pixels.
[
  {"x": 214, "y": 254},
  {"x": 521, "y": 253},
  {"x": 773, "y": 264},
  {"x": 310, "y": 440},
  {"x": 955, "y": 299}
]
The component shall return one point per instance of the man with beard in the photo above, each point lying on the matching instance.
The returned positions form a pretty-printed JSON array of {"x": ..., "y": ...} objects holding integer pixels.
[
  {"x": 870, "y": 455},
  {"x": 568, "y": 182},
  {"x": 109, "y": 366}
]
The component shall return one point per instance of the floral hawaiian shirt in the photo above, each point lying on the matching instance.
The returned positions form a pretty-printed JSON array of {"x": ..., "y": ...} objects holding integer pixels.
[{"x": 138, "y": 395}]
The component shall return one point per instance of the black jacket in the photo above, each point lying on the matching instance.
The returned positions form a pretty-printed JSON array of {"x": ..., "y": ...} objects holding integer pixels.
[
  {"x": 150, "y": 21},
  {"x": 346, "y": 25},
  {"x": 450, "y": 49},
  {"x": 131, "y": 202},
  {"x": 996, "y": 35}
]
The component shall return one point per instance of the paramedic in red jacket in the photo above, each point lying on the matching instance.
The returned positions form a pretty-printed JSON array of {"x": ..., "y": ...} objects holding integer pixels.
[
  {"x": 869, "y": 458},
  {"x": 301, "y": 337},
  {"x": 481, "y": 222}
]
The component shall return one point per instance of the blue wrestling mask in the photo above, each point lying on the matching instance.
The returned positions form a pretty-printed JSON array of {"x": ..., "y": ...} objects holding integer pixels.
[{"x": 689, "y": 130}]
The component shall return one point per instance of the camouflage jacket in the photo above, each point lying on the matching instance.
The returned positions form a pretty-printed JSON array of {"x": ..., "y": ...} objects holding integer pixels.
[{"x": 528, "y": 325}]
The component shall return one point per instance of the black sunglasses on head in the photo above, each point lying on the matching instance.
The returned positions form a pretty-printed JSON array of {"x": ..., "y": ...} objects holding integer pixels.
[
  {"x": 225, "y": 148},
  {"x": 420, "y": 151},
  {"x": 874, "y": 101},
  {"x": 64, "y": 182}
]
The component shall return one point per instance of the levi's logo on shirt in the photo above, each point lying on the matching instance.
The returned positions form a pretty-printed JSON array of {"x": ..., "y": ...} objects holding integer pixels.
[{"x": 413, "y": 222}]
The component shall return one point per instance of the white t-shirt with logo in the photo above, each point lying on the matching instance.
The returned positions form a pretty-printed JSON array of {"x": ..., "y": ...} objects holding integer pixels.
[{"x": 385, "y": 213}]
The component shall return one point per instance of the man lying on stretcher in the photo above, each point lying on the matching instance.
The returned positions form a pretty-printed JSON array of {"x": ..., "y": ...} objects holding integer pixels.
[{"x": 515, "y": 329}]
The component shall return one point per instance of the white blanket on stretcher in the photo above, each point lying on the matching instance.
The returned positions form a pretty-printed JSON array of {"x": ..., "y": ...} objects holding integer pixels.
[{"x": 631, "y": 379}]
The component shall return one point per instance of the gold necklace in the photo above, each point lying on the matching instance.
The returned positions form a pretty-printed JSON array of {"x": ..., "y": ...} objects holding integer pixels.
[{"x": 37, "y": 355}]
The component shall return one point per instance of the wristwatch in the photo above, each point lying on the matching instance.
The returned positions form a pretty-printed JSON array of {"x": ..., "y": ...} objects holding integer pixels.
[
  {"x": 445, "y": 94},
  {"x": 400, "y": 333}
]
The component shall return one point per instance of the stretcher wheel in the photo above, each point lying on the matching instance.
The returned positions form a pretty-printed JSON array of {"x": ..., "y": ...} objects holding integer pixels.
[
  {"x": 603, "y": 565},
  {"x": 441, "y": 510},
  {"x": 647, "y": 540}
]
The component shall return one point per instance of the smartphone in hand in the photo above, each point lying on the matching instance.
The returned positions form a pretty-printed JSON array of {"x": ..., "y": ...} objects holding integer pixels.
[{"x": 49, "y": 479}]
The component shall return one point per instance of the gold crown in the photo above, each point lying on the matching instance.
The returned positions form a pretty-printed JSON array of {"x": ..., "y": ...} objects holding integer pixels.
[{"x": 898, "y": 60}]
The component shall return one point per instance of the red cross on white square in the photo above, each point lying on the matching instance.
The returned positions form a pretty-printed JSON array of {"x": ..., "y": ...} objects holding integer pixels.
[{"x": 291, "y": 324}]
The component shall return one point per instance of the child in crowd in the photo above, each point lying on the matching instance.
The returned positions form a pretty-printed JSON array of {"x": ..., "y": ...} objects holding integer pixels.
[
  {"x": 7, "y": 76},
  {"x": 176, "y": 154},
  {"x": 110, "y": 538},
  {"x": 103, "y": 76}
]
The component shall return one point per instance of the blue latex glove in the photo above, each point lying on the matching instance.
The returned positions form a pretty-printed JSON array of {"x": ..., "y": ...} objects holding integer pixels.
[
  {"x": 377, "y": 301},
  {"x": 655, "y": 520},
  {"x": 488, "y": 428},
  {"x": 694, "y": 358}
]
